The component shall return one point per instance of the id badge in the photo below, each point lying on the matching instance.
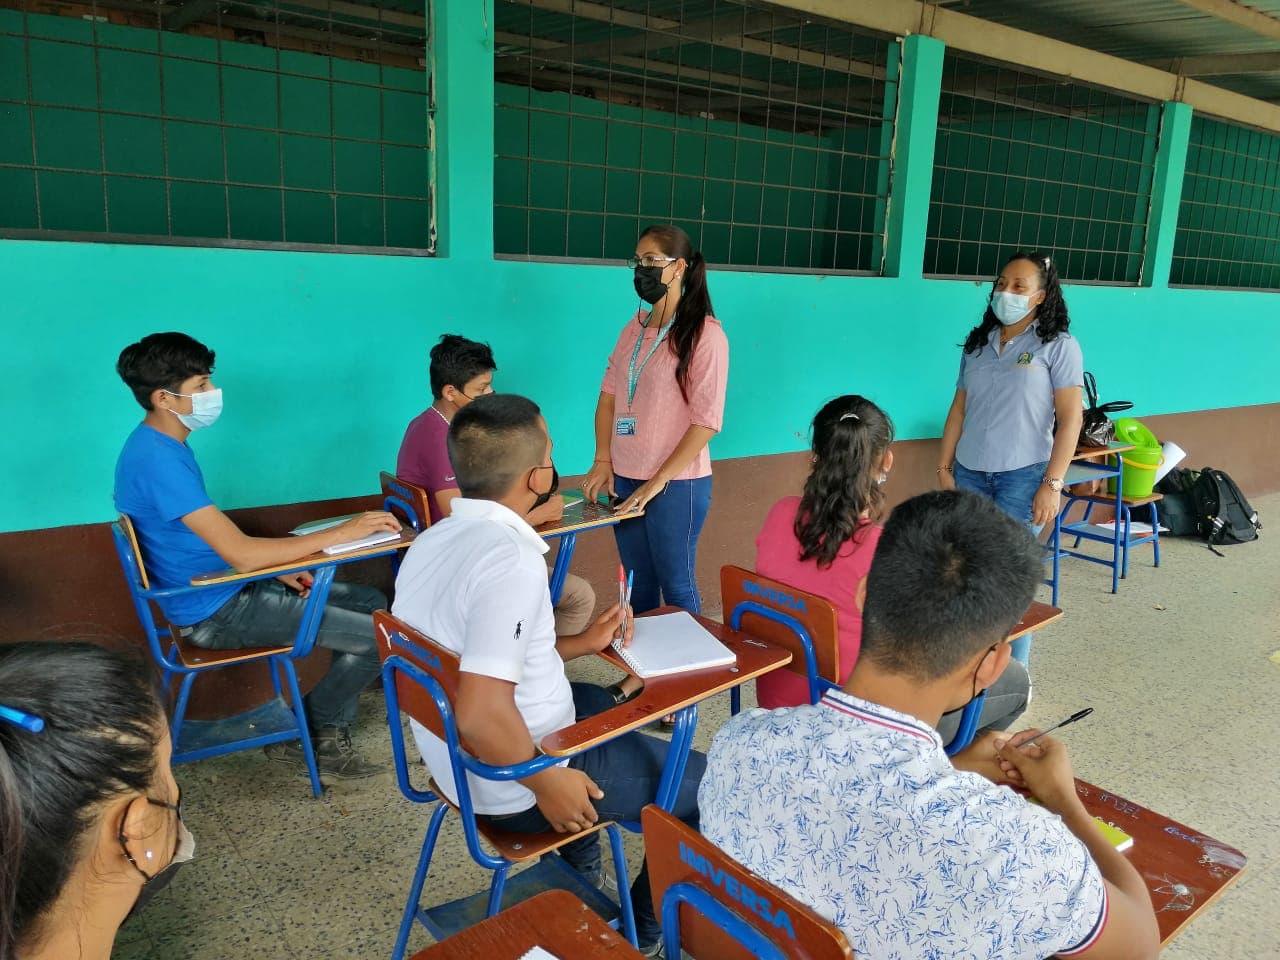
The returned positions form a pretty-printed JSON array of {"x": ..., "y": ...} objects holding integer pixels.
[{"x": 626, "y": 426}]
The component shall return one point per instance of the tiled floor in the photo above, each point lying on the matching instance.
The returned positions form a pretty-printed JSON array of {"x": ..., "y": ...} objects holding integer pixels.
[{"x": 1187, "y": 722}]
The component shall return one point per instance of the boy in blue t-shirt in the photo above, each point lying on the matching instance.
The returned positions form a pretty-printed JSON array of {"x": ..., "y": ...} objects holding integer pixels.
[{"x": 158, "y": 485}]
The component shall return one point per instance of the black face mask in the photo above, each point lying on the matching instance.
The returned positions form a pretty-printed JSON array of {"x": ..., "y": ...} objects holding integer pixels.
[
  {"x": 649, "y": 285},
  {"x": 544, "y": 497}
]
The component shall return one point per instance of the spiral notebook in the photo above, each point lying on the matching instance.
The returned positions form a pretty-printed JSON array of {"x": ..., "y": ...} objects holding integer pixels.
[{"x": 672, "y": 643}]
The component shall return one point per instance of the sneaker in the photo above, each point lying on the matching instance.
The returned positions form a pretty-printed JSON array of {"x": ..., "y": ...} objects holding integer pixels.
[
  {"x": 654, "y": 949},
  {"x": 334, "y": 755}
]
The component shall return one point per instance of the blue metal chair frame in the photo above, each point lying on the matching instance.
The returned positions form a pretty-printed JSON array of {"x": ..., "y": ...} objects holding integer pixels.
[
  {"x": 752, "y": 939},
  {"x": 280, "y": 664},
  {"x": 1124, "y": 520},
  {"x": 462, "y": 763},
  {"x": 1080, "y": 472},
  {"x": 819, "y": 685}
]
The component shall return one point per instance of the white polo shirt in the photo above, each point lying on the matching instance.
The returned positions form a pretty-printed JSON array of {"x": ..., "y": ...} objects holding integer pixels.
[
  {"x": 855, "y": 809},
  {"x": 476, "y": 584}
]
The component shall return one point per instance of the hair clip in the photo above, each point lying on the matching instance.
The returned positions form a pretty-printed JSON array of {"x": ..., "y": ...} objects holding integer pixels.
[
  {"x": 27, "y": 721},
  {"x": 847, "y": 416}
]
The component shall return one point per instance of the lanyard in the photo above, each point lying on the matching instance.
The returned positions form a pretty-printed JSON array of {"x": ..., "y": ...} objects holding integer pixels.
[{"x": 633, "y": 372}]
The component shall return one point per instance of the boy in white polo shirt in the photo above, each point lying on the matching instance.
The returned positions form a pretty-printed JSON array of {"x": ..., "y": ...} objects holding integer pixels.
[
  {"x": 851, "y": 805},
  {"x": 476, "y": 583}
]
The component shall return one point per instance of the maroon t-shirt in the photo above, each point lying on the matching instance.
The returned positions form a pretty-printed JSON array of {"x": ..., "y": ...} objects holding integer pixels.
[{"x": 424, "y": 457}]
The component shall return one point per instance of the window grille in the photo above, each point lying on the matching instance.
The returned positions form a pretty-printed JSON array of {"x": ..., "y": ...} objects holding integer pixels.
[
  {"x": 1229, "y": 219},
  {"x": 218, "y": 122},
  {"x": 764, "y": 134},
  {"x": 1031, "y": 162}
]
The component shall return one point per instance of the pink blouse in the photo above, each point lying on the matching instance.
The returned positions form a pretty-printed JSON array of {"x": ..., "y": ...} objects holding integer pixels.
[
  {"x": 661, "y": 414},
  {"x": 778, "y": 557}
]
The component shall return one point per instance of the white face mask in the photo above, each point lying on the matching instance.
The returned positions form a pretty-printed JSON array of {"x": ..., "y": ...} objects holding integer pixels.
[
  {"x": 206, "y": 407},
  {"x": 1009, "y": 308}
]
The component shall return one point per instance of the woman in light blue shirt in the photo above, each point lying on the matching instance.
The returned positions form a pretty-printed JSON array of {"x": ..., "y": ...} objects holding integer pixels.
[{"x": 1019, "y": 369}]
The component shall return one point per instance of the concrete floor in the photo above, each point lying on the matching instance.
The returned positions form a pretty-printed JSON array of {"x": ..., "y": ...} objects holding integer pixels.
[{"x": 1187, "y": 722}]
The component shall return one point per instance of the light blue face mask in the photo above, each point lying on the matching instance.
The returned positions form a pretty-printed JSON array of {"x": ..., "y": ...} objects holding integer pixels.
[
  {"x": 1009, "y": 308},
  {"x": 206, "y": 407}
]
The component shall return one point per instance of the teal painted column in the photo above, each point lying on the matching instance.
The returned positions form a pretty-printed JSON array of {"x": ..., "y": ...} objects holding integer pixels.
[
  {"x": 1166, "y": 193},
  {"x": 463, "y": 50},
  {"x": 917, "y": 130}
]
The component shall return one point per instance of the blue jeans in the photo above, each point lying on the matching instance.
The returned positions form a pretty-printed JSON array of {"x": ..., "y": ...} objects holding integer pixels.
[
  {"x": 1005, "y": 702},
  {"x": 628, "y": 770},
  {"x": 266, "y": 613},
  {"x": 662, "y": 546},
  {"x": 1013, "y": 492}
]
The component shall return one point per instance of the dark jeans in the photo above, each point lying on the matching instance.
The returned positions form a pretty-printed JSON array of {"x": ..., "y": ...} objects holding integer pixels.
[
  {"x": 628, "y": 770},
  {"x": 1006, "y": 700},
  {"x": 266, "y": 613},
  {"x": 662, "y": 546}
]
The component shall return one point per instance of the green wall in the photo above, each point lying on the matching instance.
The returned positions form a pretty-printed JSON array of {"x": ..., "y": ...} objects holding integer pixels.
[
  {"x": 323, "y": 356},
  {"x": 311, "y": 145}
]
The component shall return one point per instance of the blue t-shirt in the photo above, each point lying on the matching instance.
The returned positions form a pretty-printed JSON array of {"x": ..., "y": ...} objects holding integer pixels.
[{"x": 158, "y": 482}]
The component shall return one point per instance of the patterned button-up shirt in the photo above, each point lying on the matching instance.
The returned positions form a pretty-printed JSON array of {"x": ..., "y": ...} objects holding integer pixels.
[{"x": 855, "y": 809}]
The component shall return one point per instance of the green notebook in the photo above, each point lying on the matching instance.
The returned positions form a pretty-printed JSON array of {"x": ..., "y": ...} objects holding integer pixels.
[{"x": 1119, "y": 839}]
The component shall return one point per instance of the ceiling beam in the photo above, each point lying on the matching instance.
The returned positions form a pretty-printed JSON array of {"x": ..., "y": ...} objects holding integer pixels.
[
  {"x": 1044, "y": 55},
  {"x": 193, "y": 11},
  {"x": 1219, "y": 65},
  {"x": 729, "y": 32},
  {"x": 1255, "y": 21}
]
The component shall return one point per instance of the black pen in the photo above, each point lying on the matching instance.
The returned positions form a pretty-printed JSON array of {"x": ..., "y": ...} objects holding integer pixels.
[{"x": 1079, "y": 715}]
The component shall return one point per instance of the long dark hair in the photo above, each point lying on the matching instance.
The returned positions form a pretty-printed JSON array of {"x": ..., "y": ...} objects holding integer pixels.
[
  {"x": 850, "y": 437},
  {"x": 102, "y": 725},
  {"x": 695, "y": 301},
  {"x": 1051, "y": 316}
]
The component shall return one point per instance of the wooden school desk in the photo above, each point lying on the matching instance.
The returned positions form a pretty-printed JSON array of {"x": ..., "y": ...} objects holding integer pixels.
[
  {"x": 679, "y": 694},
  {"x": 556, "y": 921},
  {"x": 322, "y": 565},
  {"x": 579, "y": 517},
  {"x": 1183, "y": 869}
]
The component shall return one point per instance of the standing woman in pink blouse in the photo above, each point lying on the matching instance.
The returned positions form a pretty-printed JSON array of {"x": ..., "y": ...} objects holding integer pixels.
[{"x": 661, "y": 401}]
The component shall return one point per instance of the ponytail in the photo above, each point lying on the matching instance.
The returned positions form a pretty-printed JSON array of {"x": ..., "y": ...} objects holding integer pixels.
[
  {"x": 102, "y": 725},
  {"x": 11, "y": 850},
  {"x": 850, "y": 437},
  {"x": 695, "y": 299}
]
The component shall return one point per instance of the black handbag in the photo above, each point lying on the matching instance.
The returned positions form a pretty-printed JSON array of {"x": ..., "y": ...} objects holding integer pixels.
[{"x": 1097, "y": 430}]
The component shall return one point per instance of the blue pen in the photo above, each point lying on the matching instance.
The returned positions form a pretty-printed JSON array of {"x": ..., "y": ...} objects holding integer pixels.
[{"x": 24, "y": 720}]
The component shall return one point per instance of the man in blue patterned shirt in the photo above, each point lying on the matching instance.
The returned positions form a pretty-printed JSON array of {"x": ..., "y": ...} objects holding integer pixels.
[{"x": 852, "y": 806}]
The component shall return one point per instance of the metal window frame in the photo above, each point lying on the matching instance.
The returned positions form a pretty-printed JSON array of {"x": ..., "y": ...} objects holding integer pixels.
[
  {"x": 318, "y": 12},
  {"x": 602, "y": 60}
]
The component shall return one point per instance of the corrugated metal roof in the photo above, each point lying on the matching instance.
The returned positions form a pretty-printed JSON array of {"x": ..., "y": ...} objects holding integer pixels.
[{"x": 1140, "y": 30}]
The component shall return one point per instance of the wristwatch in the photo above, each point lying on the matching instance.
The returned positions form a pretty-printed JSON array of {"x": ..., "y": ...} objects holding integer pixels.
[{"x": 1055, "y": 483}]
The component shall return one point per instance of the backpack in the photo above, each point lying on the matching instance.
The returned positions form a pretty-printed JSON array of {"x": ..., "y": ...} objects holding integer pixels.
[
  {"x": 1177, "y": 511},
  {"x": 1224, "y": 515}
]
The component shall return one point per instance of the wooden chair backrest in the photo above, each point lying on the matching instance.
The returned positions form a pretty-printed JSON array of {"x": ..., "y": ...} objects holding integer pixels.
[
  {"x": 397, "y": 638},
  {"x": 816, "y": 614},
  {"x": 414, "y": 496},
  {"x": 679, "y": 854},
  {"x": 127, "y": 526}
]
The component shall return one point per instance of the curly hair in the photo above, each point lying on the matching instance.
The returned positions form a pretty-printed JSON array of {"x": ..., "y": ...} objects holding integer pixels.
[
  {"x": 850, "y": 437},
  {"x": 1051, "y": 316}
]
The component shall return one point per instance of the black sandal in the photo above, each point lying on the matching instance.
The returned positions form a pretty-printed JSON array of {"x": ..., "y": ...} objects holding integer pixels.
[{"x": 619, "y": 697}]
